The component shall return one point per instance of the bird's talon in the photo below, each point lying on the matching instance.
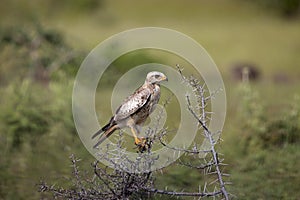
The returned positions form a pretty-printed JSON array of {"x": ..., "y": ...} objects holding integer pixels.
[
  {"x": 140, "y": 141},
  {"x": 142, "y": 144}
]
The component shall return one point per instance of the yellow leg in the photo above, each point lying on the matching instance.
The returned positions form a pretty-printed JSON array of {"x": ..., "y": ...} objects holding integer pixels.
[
  {"x": 136, "y": 139},
  {"x": 139, "y": 142}
]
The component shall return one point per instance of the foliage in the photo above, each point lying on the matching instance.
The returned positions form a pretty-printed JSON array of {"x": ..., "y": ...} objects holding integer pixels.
[
  {"x": 263, "y": 132},
  {"x": 287, "y": 8},
  {"x": 265, "y": 151},
  {"x": 268, "y": 172},
  {"x": 35, "y": 104},
  {"x": 38, "y": 53},
  {"x": 81, "y": 5},
  {"x": 34, "y": 121},
  {"x": 24, "y": 114},
  {"x": 29, "y": 11},
  {"x": 128, "y": 177}
]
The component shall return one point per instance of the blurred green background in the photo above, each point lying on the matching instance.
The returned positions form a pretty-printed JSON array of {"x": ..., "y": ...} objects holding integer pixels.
[{"x": 42, "y": 44}]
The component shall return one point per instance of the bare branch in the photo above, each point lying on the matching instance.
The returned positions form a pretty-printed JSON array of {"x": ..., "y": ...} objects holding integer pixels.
[
  {"x": 173, "y": 193},
  {"x": 123, "y": 177}
]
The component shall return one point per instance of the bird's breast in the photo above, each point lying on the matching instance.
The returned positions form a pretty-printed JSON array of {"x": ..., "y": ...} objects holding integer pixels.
[{"x": 141, "y": 116}]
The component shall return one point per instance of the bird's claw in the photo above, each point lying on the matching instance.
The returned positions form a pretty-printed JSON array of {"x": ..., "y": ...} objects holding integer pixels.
[{"x": 142, "y": 144}]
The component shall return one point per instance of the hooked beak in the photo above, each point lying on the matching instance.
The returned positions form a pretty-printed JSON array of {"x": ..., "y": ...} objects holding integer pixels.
[{"x": 164, "y": 78}]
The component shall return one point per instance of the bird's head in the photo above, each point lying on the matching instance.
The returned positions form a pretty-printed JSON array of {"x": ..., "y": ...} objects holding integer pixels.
[{"x": 155, "y": 77}]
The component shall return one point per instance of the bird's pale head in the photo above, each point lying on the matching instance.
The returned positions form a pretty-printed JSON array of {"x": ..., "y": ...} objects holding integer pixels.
[{"x": 156, "y": 77}]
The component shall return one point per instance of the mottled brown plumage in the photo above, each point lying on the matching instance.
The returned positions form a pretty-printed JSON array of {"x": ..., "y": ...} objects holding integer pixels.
[{"x": 135, "y": 109}]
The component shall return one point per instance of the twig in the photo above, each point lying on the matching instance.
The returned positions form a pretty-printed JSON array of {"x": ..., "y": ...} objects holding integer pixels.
[{"x": 173, "y": 193}]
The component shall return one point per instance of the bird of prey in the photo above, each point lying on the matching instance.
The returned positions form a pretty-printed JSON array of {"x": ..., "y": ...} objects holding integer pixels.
[{"x": 134, "y": 110}]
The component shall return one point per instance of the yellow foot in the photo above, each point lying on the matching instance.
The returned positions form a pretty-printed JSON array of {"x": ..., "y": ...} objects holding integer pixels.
[
  {"x": 142, "y": 144},
  {"x": 140, "y": 141}
]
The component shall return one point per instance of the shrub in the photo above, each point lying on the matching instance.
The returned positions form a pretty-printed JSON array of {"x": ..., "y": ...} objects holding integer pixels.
[
  {"x": 263, "y": 132},
  {"x": 35, "y": 52}
]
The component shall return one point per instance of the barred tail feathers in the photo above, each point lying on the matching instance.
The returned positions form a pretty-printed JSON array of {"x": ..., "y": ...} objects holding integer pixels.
[
  {"x": 104, "y": 128},
  {"x": 106, "y": 134},
  {"x": 107, "y": 130}
]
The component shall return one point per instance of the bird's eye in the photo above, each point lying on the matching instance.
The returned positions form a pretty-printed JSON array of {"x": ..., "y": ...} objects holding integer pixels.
[{"x": 156, "y": 76}]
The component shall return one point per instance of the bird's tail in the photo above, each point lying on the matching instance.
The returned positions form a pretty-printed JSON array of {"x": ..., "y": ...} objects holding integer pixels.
[{"x": 107, "y": 130}]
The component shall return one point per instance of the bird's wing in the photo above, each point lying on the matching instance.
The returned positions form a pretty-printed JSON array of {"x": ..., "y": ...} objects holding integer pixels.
[{"x": 133, "y": 103}]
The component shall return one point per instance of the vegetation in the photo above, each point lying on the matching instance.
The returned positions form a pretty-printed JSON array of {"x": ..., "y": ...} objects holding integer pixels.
[
  {"x": 287, "y": 8},
  {"x": 43, "y": 44},
  {"x": 128, "y": 177}
]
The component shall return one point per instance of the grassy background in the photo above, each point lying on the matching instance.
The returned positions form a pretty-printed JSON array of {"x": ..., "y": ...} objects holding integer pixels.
[{"x": 36, "y": 129}]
